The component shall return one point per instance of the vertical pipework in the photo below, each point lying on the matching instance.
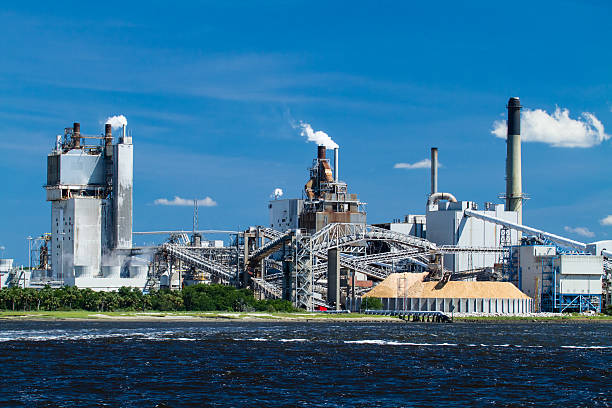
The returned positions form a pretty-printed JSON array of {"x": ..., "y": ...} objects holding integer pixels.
[
  {"x": 321, "y": 152},
  {"x": 76, "y": 134},
  {"x": 514, "y": 188},
  {"x": 336, "y": 165},
  {"x": 434, "y": 170}
]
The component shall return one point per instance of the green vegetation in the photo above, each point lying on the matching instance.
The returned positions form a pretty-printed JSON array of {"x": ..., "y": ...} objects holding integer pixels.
[
  {"x": 608, "y": 310},
  {"x": 369, "y": 303},
  {"x": 196, "y": 298}
]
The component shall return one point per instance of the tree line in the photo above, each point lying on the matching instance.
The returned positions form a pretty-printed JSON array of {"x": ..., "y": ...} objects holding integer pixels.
[{"x": 192, "y": 298}]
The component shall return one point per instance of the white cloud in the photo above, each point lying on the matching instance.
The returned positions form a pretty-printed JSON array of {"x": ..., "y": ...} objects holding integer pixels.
[
  {"x": 319, "y": 137},
  {"x": 422, "y": 164},
  {"x": 117, "y": 121},
  {"x": 606, "y": 220},
  {"x": 585, "y": 232},
  {"x": 558, "y": 129},
  {"x": 178, "y": 201}
]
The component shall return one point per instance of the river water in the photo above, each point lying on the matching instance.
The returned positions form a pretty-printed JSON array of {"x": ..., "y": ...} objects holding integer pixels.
[{"x": 323, "y": 364}]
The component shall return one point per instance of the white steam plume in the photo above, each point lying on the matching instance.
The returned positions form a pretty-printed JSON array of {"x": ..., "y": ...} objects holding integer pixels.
[
  {"x": 422, "y": 164},
  {"x": 558, "y": 129},
  {"x": 278, "y": 192},
  {"x": 585, "y": 232},
  {"x": 117, "y": 121},
  {"x": 178, "y": 201},
  {"x": 319, "y": 137}
]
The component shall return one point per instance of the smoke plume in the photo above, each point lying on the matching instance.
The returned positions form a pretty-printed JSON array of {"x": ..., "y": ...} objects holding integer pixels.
[
  {"x": 319, "y": 137},
  {"x": 278, "y": 192},
  {"x": 117, "y": 121},
  {"x": 558, "y": 129}
]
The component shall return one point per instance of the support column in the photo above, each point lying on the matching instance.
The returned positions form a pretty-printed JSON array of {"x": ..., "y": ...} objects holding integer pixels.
[{"x": 333, "y": 278}]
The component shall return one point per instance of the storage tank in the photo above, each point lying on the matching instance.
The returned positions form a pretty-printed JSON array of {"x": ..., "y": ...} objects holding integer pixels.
[{"x": 111, "y": 271}]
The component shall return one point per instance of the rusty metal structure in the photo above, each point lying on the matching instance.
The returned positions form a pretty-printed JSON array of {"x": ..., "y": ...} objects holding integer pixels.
[{"x": 327, "y": 199}]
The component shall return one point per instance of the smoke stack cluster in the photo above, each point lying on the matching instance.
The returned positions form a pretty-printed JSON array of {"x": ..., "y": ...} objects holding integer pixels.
[{"x": 514, "y": 188}]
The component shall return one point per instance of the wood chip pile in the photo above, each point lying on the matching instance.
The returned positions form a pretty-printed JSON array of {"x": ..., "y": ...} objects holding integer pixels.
[{"x": 411, "y": 285}]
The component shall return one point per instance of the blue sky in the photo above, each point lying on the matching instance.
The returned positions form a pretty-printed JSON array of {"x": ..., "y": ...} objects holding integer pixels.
[{"x": 210, "y": 90}]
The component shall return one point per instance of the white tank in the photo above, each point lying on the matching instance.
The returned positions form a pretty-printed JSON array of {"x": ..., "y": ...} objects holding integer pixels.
[
  {"x": 138, "y": 271},
  {"x": 83, "y": 271},
  {"x": 111, "y": 271}
]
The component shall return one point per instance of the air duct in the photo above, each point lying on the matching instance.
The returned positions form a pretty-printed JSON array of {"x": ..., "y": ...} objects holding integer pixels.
[
  {"x": 435, "y": 197},
  {"x": 514, "y": 189},
  {"x": 434, "y": 170}
]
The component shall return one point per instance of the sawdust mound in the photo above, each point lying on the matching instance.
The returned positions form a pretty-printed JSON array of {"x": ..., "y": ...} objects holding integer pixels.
[{"x": 411, "y": 285}]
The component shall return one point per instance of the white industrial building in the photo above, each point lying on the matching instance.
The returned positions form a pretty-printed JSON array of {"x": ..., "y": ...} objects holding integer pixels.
[
  {"x": 285, "y": 213},
  {"x": 559, "y": 281},
  {"x": 90, "y": 186}
]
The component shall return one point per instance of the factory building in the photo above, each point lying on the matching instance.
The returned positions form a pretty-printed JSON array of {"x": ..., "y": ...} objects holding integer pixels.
[
  {"x": 448, "y": 225},
  {"x": 90, "y": 186},
  {"x": 559, "y": 281},
  {"x": 285, "y": 214},
  {"x": 326, "y": 200}
]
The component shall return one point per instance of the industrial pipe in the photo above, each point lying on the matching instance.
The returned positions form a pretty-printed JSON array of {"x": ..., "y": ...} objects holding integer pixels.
[
  {"x": 336, "y": 165},
  {"x": 434, "y": 170},
  {"x": 435, "y": 197},
  {"x": 514, "y": 189},
  {"x": 532, "y": 231}
]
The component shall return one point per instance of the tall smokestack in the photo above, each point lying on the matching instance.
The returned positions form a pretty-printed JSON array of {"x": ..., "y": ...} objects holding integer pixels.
[
  {"x": 336, "y": 164},
  {"x": 514, "y": 188},
  {"x": 434, "y": 170},
  {"x": 108, "y": 134},
  {"x": 76, "y": 134},
  {"x": 321, "y": 152}
]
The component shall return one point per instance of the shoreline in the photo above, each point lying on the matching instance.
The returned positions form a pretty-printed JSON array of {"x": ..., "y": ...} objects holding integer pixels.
[{"x": 304, "y": 317}]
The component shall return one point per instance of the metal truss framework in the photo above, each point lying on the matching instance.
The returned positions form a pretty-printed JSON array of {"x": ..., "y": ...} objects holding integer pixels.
[{"x": 304, "y": 258}]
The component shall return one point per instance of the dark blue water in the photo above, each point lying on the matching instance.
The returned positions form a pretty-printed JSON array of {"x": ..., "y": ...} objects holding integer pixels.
[{"x": 304, "y": 364}]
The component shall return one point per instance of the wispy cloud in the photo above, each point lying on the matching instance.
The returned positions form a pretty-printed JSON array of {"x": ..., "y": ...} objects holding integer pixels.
[
  {"x": 178, "y": 201},
  {"x": 606, "y": 220},
  {"x": 422, "y": 164},
  {"x": 583, "y": 231},
  {"x": 558, "y": 129}
]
